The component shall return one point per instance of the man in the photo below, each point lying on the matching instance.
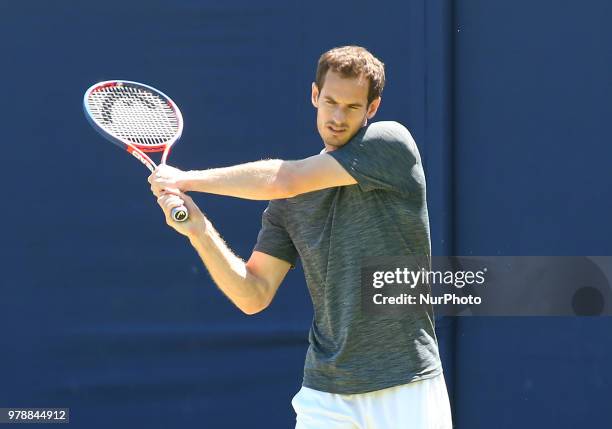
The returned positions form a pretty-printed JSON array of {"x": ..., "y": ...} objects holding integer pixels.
[{"x": 362, "y": 196}]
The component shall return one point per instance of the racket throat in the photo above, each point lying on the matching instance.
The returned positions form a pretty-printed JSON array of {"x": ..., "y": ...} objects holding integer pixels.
[{"x": 142, "y": 159}]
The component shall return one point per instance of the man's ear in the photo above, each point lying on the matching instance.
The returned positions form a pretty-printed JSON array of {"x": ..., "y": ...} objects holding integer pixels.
[
  {"x": 373, "y": 107},
  {"x": 314, "y": 97}
]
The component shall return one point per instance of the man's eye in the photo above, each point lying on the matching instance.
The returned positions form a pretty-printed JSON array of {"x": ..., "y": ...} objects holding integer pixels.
[
  {"x": 354, "y": 107},
  {"x": 330, "y": 102}
]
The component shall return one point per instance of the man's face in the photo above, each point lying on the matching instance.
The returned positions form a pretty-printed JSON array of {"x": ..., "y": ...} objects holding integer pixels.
[{"x": 342, "y": 108}]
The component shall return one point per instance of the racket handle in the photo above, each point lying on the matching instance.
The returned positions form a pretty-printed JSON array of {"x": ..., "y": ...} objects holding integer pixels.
[{"x": 179, "y": 214}]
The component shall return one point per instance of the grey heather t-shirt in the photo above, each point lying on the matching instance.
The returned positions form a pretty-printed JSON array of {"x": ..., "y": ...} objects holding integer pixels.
[{"x": 384, "y": 214}]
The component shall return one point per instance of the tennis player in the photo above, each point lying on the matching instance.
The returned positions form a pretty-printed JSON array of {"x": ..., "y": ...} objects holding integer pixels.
[{"x": 363, "y": 195}]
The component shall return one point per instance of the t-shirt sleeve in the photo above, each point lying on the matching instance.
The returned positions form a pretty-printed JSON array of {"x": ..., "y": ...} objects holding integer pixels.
[
  {"x": 273, "y": 238},
  {"x": 383, "y": 156}
]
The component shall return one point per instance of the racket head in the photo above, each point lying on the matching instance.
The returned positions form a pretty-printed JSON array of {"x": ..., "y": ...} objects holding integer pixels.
[{"x": 133, "y": 115}]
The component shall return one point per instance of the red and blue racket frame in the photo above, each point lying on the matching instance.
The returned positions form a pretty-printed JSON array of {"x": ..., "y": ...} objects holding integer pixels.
[{"x": 139, "y": 151}]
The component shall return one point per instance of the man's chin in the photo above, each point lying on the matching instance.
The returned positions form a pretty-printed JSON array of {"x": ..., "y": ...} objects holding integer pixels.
[
  {"x": 331, "y": 146},
  {"x": 335, "y": 142}
]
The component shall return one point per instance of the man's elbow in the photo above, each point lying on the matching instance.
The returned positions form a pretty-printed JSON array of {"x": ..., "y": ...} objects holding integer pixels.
[
  {"x": 257, "y": 302},
  {"x": 253, "y": 308}
]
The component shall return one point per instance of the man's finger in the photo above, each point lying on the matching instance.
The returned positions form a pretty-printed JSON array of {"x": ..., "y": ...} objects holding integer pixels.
[
  {"x": 189, "y": 203},
  {"x": 157, "y": 191},
  {"x": 172, "y": 191},
  {"x": 187, "y": 199},
  {"x": 172, "y": 201},
  {"x": 163, "y": 198},
  {"x": 177, "y": 192}
]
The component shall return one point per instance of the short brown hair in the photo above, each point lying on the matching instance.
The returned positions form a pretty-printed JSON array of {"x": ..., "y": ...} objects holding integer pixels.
[{"x": 353, "y": 61}]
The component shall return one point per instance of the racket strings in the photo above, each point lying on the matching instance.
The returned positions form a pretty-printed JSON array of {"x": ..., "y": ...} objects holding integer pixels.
[{"x": 134, "y": 114}]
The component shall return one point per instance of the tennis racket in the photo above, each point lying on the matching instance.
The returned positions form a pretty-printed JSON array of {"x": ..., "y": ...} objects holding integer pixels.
[{"x": 137, "y": 118}]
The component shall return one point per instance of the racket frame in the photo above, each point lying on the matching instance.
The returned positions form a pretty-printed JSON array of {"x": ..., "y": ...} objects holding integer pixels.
[
  {"x": 179, "y": 214},
  {"x": 136, "y": 150}
]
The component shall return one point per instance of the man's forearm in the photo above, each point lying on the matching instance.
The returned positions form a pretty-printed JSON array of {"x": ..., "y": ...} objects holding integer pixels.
[
  {"x": 228, "y": 271},
  {"x": 259, "y": 180}
]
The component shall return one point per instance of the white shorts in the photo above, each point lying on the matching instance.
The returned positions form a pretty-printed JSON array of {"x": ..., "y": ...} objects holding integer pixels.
[{"x": 422, "y": 404}]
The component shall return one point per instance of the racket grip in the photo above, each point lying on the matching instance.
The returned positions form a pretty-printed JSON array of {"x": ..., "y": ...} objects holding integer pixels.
[{"x": 179, "y": 214}]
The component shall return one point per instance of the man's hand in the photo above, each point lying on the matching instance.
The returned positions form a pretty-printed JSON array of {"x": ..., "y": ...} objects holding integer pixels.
[
  {"x": 166, "y": 177},
  {"x": 171, "y": 198}
]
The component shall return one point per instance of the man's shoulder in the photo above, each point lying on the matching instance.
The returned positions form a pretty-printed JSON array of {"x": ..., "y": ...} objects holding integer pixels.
[
  {"x": 392, "y": 135},
  {"x": 388, "y": 125},
  {"x": 388, "y": 130}
]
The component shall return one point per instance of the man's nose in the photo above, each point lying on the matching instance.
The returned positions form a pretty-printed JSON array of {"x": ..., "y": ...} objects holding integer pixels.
[{"x": 338, "y": 115}]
